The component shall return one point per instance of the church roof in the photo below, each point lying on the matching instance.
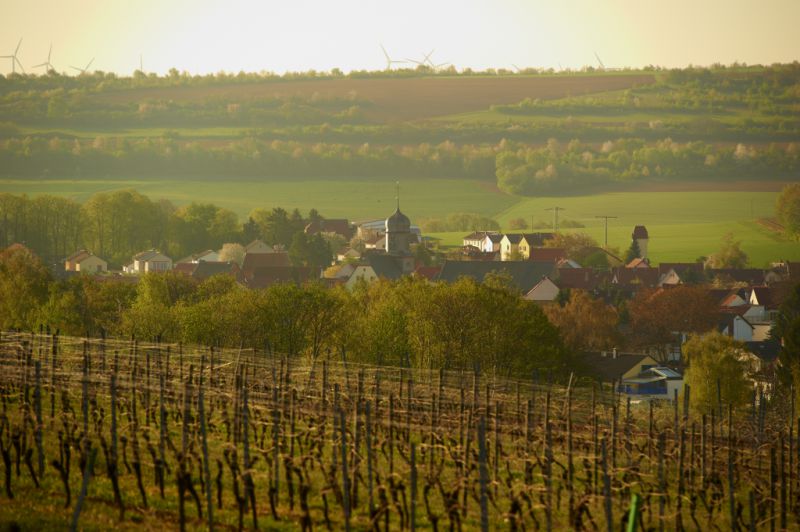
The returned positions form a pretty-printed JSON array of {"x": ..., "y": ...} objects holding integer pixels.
[{"x": 398, "y": 222}]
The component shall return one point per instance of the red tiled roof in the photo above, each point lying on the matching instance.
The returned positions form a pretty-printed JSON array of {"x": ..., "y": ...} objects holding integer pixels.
[
  {"x": 428, "y": 272},
  {"x": 579, "y": 278}
]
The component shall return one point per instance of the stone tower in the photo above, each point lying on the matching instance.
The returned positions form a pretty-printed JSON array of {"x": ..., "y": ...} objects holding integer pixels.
[{"x": 641, "y": 238}]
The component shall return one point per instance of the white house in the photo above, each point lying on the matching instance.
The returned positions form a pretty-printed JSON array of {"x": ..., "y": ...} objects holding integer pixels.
[
  {"x": 84, "y": 261},
  {"x": 208, "y": 255},
  {"x": 736, "y": 327},
  {"x": 365, "y": 272},
  {"x": 149, "y": 261}
]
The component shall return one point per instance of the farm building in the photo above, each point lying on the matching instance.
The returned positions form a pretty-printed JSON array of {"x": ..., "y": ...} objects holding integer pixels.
[{"x": 86, "y": 262}]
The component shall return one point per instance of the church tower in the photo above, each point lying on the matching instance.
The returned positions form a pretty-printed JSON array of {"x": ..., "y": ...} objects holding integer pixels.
[{"x": 398, "y": 232}]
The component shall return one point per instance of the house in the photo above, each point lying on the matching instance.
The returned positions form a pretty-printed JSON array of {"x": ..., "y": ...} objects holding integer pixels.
[
  {"x": 736, "y": 326},
  {"x": 545, "y": 291},
  {"x": 339, "y": 271},
  {"x": 524, "y": 274},
  {"x": 362, "y": 272},
  {"x": 337, "y": 226},
  {"x": 675, "y": 273},
  {"x": 635, "y": 277},
  {"x": 208, "y": 255},
  {"x": 531, "y": 241},
  {"x": 478, "y": 238},
  {"x": 427, "y": 272},
  {"x": 266, "y": 276},
  {"x": 491, "y": 243},
  {"x": 554, "y": 255},
  {"x": 205, "y": 269},
  {"x": 376, "y": 266},
  {"x": 637, "y": 375},
  {"x": 257, "y": 246},
  {"x": 659, "y": 382},
  {"x": 149, "y": 261},
  {"x": 256, "y": 261},
  {"x": 348, "y": 254},
  {"x": 509, "y": 247},
  {"x": 580, "y": 278},
  {"x": 84, "y": 261}
]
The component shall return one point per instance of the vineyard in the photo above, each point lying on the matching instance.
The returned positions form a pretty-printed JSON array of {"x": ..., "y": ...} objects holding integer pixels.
[{"x": 98, "y": 433}]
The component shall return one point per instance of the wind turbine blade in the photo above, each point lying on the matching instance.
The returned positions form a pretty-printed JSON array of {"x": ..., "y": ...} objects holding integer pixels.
[
  {"x": 76, "y": 68},
  {"x": 39, "y": 65},
  {"x": 385, "y": 53},
  {"x": 18, "y": 45},
  {"x": 49, "y": 52},
  {"x": 88, "y": 64}
]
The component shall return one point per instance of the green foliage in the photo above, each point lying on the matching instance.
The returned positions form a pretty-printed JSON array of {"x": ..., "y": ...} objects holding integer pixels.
[
  {"x": 788, "y": 209},
  {"x": 715, "y": 358},
  {"x": 460, "y": 221},
  {"x": 23, "y": 287},
  {"x": 633, "y": 252},
  {"x": 730, "y": 254},
  {"x": 786, "y": 330}
]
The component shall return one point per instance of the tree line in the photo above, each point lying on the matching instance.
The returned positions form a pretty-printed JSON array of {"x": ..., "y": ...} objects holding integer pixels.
[{"x": 116, "y": 225}]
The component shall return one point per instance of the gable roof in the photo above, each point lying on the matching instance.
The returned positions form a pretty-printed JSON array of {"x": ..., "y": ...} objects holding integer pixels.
[
  {"x": 495, "y": 238},
  {"x": 253, "y": 261},
  {"x": 514, "y": 238},
  {"x": 78, "y": 256},
  {"x": 270, "y": 275},
  {"x": 547, "y": 254},
  {"x": 579, "y": 278},
  {"x": 150, "y": 254},
  {"x": 480, "y": 235},
  {"x": 537, "y": 239},
  {"x": 638, "y": 262},
  {"x": 255, "y": 244},
  {"x": 196, "y": 256},
  {"x": 524, "y": 274},
  {"x": 206, "y": 269},
  {"x": 385, "y": 266},
  {"x": 340, "y": 226},
  {"x": 647, "y": 277},
  {"x": 680, "y": 268},
  {"x": 609, "y": 367},
  {"x": 428, "y": 272}
]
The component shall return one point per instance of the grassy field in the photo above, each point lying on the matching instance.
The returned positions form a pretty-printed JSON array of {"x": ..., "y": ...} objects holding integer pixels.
[{"x": 356, "y": 199}]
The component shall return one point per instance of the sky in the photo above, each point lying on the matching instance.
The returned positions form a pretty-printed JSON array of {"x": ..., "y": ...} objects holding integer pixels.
[{"x": 202, "y": 36}]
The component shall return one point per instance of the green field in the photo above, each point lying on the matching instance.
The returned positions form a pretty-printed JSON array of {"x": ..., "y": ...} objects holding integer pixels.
[
  {"x": 356, "y": 199},
  {"x": 682, "y": 225}
]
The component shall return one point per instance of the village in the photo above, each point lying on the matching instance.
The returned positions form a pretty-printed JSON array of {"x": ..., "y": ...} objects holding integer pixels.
[{"x": 746, "y": 300}]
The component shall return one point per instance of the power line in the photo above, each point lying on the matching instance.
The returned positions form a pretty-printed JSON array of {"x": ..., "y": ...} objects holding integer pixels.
[
  {"x": 555, "y": 216},
  {"x": 606, "y": 220}
]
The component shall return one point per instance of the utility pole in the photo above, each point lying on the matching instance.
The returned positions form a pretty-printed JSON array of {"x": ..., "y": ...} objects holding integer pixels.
[
  {"x": 555, "y": 216},
  {"x": 606, "y": 220}
]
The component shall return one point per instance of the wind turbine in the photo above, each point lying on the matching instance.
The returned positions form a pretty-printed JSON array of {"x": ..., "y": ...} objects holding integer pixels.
[
  {"x": 84, "y": 69},
  {"x": 14, "y": 59},
  {"x": 602, "y": 66},
  {"x": 426, "y": 60},
  {"x": 389, "y": 60},
  {"x": 47, "y": 64}
]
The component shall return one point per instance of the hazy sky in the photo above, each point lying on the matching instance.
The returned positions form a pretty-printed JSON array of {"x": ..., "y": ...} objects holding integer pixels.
[{"x": 208, "y": 35}]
